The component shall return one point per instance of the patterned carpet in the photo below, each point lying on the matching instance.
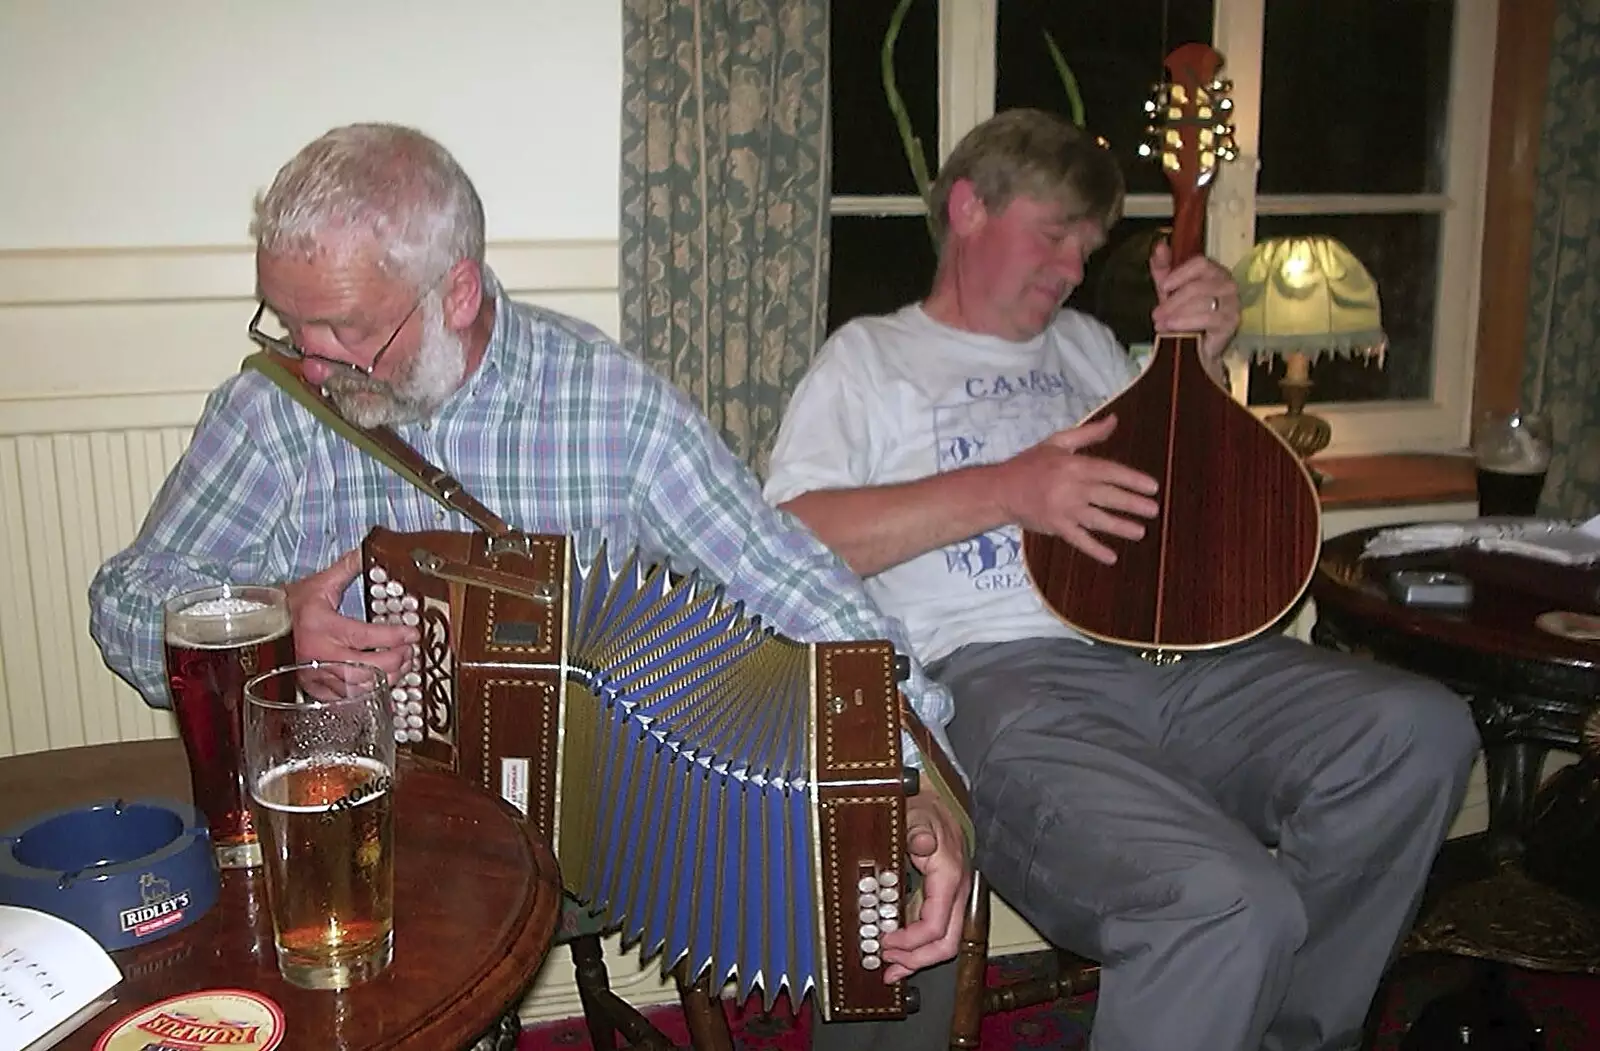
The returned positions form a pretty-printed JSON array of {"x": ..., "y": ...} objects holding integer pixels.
[{"x": 1566, "y": 1006}]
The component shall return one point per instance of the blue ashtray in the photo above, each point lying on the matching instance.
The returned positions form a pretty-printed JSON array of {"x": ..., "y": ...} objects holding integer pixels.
[{"x": 127, "y": 873}]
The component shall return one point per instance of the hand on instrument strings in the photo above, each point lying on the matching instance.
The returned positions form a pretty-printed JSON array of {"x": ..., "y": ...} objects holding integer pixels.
[
  {"x": 1055, "y": 488},
  {"x": 322, "y": 633},
  {"x": 1197, "y": 296},
  {"x": 937, "y": 850}
]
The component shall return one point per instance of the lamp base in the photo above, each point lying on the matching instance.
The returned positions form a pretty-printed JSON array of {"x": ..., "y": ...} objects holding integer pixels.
[{"x": 1306, "y": 434}]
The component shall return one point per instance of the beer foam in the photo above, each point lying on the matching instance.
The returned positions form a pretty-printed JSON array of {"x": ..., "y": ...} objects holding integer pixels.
[
  {"x": 266, "y": 786},
  {"x": 1515, "y": 452},
  {"x": 226, "y": 621}
]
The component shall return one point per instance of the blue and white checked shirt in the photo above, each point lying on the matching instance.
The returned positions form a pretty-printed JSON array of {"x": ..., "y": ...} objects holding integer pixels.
[{"x": 558, "y": 431}]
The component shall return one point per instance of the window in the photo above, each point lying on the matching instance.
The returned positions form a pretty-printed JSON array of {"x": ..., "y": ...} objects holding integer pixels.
[{"x": 1363, "y": 119}]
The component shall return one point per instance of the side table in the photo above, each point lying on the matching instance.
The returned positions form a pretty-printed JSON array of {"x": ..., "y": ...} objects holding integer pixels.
[{"x": 1530, "y": 691}]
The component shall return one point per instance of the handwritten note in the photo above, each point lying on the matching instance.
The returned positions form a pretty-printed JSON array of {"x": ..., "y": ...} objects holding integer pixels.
[{"x": 53, "y": 977}]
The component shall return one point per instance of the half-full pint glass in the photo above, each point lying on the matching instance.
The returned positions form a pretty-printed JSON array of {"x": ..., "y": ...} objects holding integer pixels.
[
  {"x": 319, "y": 752},
  {"x": 1513, "y": 455},
  {"x": 216, "y": 639}
]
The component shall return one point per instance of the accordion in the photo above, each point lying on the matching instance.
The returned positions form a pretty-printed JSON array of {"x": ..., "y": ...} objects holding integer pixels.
[{"x": 732, "y": 799}]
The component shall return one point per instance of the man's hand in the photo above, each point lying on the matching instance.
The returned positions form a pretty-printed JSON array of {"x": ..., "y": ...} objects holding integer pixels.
[
  {"x": 935, "y": 844},
  {"x": 322, "y": 633},
  {"x": 1054, "y": 488},
  {"x": 1199, "y": 296}
]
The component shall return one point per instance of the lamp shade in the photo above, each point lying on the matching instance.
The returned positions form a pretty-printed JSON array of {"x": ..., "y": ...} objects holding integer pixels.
[{"x": 1307, "y": 295}]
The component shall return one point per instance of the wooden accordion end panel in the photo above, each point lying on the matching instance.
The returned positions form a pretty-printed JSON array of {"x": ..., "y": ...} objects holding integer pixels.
[{"x": 728, "y": 796}]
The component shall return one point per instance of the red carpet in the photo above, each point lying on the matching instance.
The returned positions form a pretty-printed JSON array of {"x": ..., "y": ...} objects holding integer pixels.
[{"x": 1567, "y": 1006}]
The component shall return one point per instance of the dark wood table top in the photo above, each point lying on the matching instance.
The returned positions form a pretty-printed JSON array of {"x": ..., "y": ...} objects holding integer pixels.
[
  {"x": 1499, "y": 622},
  {"x": 477, "y": 898}
]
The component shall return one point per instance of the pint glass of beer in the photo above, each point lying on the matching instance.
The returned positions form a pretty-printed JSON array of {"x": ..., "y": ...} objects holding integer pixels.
[
  {"x": 216, "y": 639},
  {"x": 319, "y": 753},
  {"x": 1513, "y": 454}
]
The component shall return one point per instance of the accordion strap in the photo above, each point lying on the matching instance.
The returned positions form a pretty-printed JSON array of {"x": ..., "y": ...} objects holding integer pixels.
[{"x": 382, "y": 444}]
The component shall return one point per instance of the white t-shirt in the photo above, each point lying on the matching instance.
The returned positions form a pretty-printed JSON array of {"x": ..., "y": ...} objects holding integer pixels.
[{"x": 897, "y": 398}]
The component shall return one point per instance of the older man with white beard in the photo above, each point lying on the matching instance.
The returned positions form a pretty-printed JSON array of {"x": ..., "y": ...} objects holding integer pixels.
[{"x": 369, "y": 263}]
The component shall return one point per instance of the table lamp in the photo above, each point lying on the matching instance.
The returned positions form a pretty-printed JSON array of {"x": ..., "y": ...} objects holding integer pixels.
[{"x": 1301, "y": 298}]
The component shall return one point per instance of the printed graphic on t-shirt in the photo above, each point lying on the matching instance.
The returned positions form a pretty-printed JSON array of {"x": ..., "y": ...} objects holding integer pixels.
[{"x": 989, "y": 420}]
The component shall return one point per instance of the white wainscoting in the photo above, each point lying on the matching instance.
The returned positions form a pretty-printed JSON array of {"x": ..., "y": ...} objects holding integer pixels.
[{"x": 105, "y": 361}]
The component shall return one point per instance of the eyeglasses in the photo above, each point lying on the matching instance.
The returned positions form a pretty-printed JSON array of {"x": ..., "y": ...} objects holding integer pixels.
[{"x": 287, "y": 348}]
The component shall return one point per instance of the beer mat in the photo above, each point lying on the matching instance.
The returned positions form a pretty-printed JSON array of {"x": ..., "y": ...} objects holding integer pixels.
[
  {"x": 232, "y": 1018},
  {"x": 1532, "y": 533},
  {"x": 1583, "y": 627}
]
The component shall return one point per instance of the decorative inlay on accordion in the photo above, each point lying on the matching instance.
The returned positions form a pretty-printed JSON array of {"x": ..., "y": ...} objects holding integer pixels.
[{"x": 732, "y": 798}]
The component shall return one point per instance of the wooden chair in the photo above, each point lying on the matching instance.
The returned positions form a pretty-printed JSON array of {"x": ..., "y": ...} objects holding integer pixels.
[
  {"x": 608, "y": 1016},
  {"x": 1074, "y": 976}
]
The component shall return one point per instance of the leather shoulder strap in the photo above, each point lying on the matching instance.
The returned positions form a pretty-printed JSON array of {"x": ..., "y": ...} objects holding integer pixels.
[{"x": 381, "y": 443}]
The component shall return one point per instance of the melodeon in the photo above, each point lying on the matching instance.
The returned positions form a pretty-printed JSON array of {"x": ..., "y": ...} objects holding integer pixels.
[{"x": 731, "y": 798}]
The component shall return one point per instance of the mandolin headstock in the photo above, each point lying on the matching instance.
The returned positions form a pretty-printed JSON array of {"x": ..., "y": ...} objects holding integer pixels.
[{"x": 1192, "y": 136}]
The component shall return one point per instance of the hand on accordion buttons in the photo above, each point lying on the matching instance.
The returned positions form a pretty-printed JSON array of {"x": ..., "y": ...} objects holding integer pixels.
[
  {"x": 937, "y": 850},
  {"x": 322, "y": 633}
]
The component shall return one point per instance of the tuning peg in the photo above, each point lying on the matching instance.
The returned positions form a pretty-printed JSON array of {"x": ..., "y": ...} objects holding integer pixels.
[
  {"x": 1146, "y": 150},
  {"x": 1102, "y": 142},
  {"x": 1225, "y": 104},
  {"x": 1150, "y": 106}
]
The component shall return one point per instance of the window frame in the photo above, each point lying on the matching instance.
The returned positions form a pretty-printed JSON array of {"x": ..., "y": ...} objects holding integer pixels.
[{"x": 1437, "y": 423}]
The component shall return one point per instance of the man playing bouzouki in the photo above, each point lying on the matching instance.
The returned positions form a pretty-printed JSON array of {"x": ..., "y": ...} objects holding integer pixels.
[{"x": 1125, "y": 808}]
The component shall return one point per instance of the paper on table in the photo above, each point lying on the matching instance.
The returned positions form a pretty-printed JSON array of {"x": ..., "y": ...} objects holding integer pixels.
[
  {"x": 53, "y": 978},
  {"x": 1578, "y": 546}
]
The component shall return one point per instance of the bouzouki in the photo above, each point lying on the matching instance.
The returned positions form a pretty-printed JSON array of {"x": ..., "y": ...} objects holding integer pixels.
[{"x": 1236, "y": 539}]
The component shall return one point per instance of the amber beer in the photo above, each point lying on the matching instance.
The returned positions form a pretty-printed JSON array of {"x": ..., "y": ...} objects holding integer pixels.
[
  {"x": 320, "y": 756},
  {"x": 327, "y": 829},
  {"x": 216, "y": 639}
]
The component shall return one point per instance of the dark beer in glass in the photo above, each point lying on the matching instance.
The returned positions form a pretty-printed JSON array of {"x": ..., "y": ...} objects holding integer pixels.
[
  {"x": 320, "y": 753},
  {"x": 1512, "y": 451},
  {"x": 217, "y": 638}
]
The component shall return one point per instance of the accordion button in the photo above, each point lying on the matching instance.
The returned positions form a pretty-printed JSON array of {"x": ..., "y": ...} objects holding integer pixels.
[
  {"x": 414, "y": 722},
  {"x": 869, "y": 915},
  {"x": 378, "y": 575},
  {"x": 888, "y": 912},
  {"x": 867, "y": 885},
  {"x": 413, "y": 707},
  {"x": 871, "y": 963},
  {"x": 870, "y": 945},
  {"x": 395, "y": 588},
  {"x": 867, "y": 901},
  {"x": 378, "y": 591},
  {"x": 411, "y": 678},
  {"x": 409, "y": 602},
  {"x": 889, "y": 894},
  {"x": 397, "y": 695},
  {"x": 888, "y": 924},
  {"x": 869, "y": 930},
  {"x": 400, "y": 725},
  {"x": 410, "y": 620},
  {"x": 400, "y": 735},
  {"x": 889, "y": 879},
  {"x": 413, "y": 693},
  {"x": 413, "y": 736}
]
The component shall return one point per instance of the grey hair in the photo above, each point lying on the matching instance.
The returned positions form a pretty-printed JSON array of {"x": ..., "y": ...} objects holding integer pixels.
[
  {"x": 1030, "y": 153},
  {"x": 384, "y": 181}
]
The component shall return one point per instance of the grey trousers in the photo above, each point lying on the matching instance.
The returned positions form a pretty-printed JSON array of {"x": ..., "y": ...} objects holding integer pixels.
[{"x": 1126, "y": 810}]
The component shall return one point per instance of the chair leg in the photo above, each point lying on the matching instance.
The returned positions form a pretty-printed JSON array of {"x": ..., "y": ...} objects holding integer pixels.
[
  {"x": 972, "y": 961},
  {"x": 702, "y": 1012},
  {"x": 605, "y": 1014}
]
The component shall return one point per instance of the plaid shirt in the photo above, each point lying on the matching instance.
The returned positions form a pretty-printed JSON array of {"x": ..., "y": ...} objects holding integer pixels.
[{"x": 558, "y": 431}]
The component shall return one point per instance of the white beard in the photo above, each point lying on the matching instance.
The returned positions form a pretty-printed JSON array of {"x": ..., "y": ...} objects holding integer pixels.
[{"x": 418, "y": 388}]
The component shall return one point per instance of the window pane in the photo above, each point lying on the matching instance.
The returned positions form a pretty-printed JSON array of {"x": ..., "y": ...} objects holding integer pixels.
[
  {"x": 878, "y": 265},
  {"x": 1402, "y": 254},
  {"x": 1353, "y": 96},
  {"x": 1115, "y": 51},
  {"x": 867, "y": 154}
]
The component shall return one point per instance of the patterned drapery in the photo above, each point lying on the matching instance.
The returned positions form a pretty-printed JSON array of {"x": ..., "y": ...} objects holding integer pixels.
[
  {"x": 724, "y": 232},
  {"x": 1562, "y": 373}
]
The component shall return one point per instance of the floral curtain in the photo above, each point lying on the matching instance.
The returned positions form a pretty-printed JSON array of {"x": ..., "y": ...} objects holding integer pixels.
[
  {"x": 1562, "y": 373},
  {"x": 724, "y": 232}
]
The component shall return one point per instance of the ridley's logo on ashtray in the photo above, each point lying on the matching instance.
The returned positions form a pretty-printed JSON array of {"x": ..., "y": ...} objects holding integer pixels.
[
  {"x": 159, "y": 910},
  {"x": 231, "y": 1018}
]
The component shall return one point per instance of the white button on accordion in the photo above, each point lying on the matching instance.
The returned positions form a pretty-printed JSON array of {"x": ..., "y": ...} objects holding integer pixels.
[{"x": 730, "y": 798}]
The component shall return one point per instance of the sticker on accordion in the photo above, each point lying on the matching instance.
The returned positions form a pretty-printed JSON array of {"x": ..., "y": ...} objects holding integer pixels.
[
  {"x": 233, "y": 1018},
  {"x": 514, "y": 783}
]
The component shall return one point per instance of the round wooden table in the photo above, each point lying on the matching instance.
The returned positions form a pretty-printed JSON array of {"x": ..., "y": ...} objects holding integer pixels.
[
  {"x": 477, "y": 897},
  {"x": 1530, "y": 691}
]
